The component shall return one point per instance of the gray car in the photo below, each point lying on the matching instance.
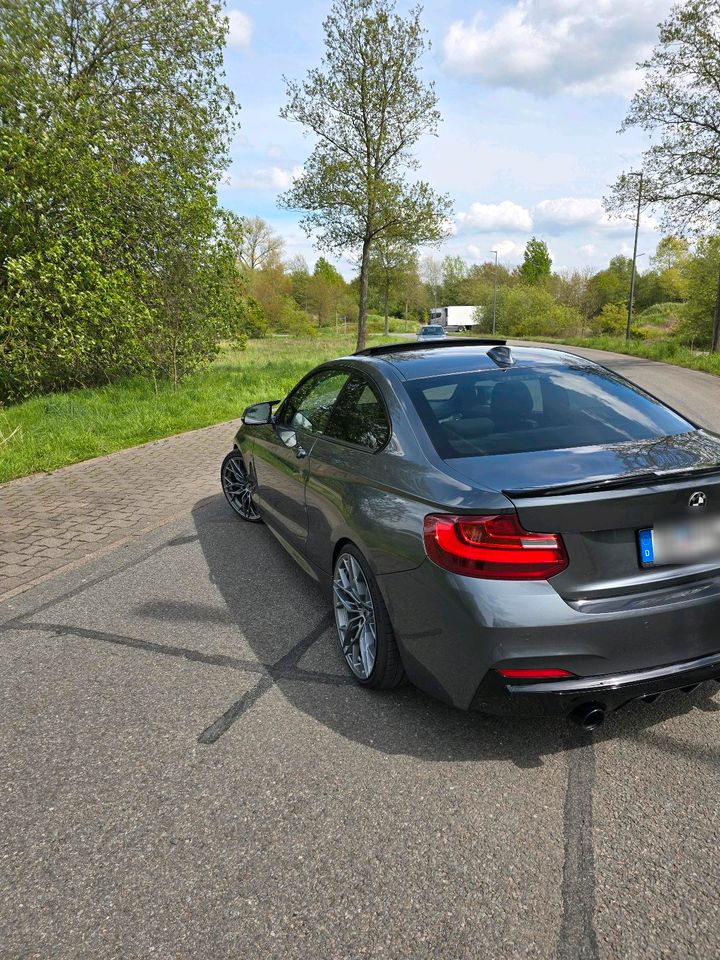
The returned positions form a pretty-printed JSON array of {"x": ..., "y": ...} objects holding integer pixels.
[
  {"x": 515, "y": 530},
  {"x": 431, "y": 332}
]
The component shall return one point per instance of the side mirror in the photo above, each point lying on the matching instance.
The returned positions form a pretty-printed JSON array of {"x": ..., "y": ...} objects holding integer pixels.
[{"x": 258, "y": 413}]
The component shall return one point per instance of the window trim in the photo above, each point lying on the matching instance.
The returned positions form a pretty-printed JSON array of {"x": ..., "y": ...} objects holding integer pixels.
[
  {"x": 352, "y": 371},
  {"x": 329, "y": 369}
]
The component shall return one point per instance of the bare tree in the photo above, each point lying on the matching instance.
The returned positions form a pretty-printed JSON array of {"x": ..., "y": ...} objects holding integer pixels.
[{"x": 257, "y": 245}]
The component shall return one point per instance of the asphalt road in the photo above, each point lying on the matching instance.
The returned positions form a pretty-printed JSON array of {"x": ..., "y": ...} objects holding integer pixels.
[{"x": 187, "y": 772}]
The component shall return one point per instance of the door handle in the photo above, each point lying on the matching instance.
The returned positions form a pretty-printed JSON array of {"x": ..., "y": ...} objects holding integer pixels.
[{"x": 301, "y": 453}]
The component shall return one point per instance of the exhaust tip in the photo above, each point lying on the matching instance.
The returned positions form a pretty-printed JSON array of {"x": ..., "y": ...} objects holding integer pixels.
[{"x": 588, "y": 716}]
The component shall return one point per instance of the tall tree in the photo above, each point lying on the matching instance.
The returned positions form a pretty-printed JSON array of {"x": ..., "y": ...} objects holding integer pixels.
[
  {"x": 678, "y": 105},
  {"x": 367, "y": 107},
  {"x": 536, "y": 265}
]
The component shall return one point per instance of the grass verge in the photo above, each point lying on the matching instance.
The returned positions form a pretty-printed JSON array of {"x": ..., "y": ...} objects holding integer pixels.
[
  {"x": 665, "y": 351},
  {"x": 48, "y": 432}
]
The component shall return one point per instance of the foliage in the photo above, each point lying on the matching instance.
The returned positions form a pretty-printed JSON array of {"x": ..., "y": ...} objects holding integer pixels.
[
  {"x": 536, "y": 265},
  {"x": 45, "y": 433},
  {"x": 611, "y": 321},
  {"x": 114, "y": 124},
  {"x": 678, "y": 104},
  {"x": 367, "y": 107},
  {"x": 702, "y": 283},
  {"x": 529, "y": 311}
]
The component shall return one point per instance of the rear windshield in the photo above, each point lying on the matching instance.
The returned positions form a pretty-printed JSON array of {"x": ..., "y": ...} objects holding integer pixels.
[
  {"x": 548, "y": 408},
  {"x": 432, "y": 331}
]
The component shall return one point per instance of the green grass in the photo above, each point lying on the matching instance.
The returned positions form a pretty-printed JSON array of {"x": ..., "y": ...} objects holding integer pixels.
[
  {"x": 666, "y": 351},
  {"x": 48, "y": 432},
  {"x": 662, "y": 315}
]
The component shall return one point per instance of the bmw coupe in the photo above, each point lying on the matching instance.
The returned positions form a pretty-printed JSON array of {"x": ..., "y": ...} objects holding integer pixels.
[{"x": 515, "y": 530}]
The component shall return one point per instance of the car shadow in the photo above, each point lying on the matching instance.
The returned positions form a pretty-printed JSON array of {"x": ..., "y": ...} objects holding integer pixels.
[{"x": 252, "y": 571}]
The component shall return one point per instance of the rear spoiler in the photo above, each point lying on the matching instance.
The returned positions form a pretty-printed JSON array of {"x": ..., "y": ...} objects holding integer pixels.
[{"x": 608, "y": 483}]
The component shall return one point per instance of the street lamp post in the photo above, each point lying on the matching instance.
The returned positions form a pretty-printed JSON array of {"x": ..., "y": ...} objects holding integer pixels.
[
  {"x": 494, "y": 291},
  {"x": 632, "y": 275}
]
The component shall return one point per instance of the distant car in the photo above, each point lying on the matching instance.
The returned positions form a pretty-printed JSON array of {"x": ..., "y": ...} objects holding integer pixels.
[
  {"x": 431, "y": 331},
  {"x": 516, "y": 530}
]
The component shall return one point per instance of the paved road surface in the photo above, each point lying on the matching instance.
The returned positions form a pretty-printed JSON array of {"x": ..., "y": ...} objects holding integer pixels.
[{"x": 188, "y": 773}]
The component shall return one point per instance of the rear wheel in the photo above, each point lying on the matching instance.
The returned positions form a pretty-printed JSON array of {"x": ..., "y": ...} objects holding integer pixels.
[
  {"x": 363, "y": 624},
  {"x": 238, "y": 487}
]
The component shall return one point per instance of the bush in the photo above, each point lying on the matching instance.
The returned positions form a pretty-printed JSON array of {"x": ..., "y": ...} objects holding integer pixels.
[
  {"x": 530, "y": 311},
  {"x": 611, "y": 321}
]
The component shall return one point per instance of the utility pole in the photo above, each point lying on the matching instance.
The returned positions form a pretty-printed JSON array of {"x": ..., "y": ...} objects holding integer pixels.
[
  {"x": 632, "y": 275},
  {"x": 494, "y": 291}
]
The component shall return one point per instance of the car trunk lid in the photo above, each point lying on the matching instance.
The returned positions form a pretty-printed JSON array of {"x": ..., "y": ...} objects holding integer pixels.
[{"x": 598, "y": 498}]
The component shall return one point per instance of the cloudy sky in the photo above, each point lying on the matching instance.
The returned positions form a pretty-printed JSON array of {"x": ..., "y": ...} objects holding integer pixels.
[{"x": 531, "y": 92}]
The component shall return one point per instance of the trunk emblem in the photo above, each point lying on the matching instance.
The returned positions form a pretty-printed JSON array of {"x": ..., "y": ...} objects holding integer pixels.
[{"x": 698, "y": 499}]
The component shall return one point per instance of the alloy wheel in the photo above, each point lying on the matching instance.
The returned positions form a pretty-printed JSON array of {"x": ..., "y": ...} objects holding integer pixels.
[
  {"x": 239, "y": 487},
  {"x": 355, "y": 616}
]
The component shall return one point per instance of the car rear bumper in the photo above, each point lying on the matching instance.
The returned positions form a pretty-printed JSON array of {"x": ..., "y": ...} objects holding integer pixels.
[
  {"x": 454, "y": 632},
  {"x": 497, "y": 696}
]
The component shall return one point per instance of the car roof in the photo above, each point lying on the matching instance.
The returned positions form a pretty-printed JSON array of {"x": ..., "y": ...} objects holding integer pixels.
[{"x": 430, "y": 361}]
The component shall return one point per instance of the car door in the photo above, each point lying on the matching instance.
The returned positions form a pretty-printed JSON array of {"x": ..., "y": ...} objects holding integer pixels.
[
  {"x": 344, "y": 469},
  {"x": 282, "y": 450}
]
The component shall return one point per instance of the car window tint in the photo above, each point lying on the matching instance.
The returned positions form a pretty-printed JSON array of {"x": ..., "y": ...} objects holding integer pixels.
[
  {"x": 309, "y": 406},
  {"x": 359, "y": 416},
  {"x": 510, "y": 411}
]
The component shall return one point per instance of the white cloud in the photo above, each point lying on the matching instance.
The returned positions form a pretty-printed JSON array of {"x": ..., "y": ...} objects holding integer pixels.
[
  {"x": 264, "y": 178},
  {"x": 553, "y": 46},
  {"x": 240, "y": 30},
  {"x": 486, "y": 217},
  {"x": 506, "y": 250},
  {"x": 581, "y": 213},
  {"x": 509, "y": 250},
  {"x": 588, "y": 249}
]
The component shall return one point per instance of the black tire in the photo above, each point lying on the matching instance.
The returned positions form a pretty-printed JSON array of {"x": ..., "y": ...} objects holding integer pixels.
[
  {"x": 387, "y": 671},
  {"x": 237, "y": 485}
]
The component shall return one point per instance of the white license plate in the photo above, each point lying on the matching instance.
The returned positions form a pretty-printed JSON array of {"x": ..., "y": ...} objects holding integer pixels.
[{"x": 679, "y": 542}]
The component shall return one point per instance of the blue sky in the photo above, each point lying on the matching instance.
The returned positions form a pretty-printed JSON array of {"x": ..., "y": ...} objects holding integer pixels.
[{"x": 532, "y": 94}]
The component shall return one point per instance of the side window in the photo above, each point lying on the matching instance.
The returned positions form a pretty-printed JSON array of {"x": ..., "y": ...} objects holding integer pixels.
[
  {"x": 310, "y": 405},
  {"x": 359, "y": 416}
]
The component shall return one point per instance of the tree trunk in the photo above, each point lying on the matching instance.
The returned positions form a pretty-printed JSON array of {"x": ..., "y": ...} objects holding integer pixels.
[
  {"x": 715, "y": 345},
  {"x": 362, "y": 305},
  {"x": 387, "y": 294}
]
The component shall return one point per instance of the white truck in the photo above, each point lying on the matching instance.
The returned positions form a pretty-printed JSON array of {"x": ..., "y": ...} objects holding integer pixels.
[{"x": 454, "y": 318}]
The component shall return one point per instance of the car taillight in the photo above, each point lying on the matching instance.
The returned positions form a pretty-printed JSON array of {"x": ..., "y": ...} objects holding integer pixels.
[{"x": 493, "y": 548}]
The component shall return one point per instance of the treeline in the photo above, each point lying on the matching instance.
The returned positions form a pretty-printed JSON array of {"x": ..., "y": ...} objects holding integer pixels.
[{"x": 674, "y": 296}]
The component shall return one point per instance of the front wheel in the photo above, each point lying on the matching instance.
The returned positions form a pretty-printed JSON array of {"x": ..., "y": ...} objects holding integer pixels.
[
  {"x": 363, "y": 624},
  {"x": 238, "y": 487}
]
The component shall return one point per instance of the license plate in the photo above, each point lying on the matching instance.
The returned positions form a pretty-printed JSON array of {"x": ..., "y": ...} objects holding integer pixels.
[{"x": 690, "y": 541}]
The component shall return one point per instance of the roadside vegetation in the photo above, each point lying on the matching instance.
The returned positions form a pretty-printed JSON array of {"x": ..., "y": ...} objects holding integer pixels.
[{"x": 44, "y": 433}]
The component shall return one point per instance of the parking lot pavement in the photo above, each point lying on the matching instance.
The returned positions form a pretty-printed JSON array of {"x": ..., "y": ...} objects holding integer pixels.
[{"x": 189, "y": 772}]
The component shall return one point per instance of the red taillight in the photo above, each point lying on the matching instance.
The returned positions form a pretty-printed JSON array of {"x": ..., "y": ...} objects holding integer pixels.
[
  {"x": 493, "y": 548},
  {"x": 546, "y": 673}
]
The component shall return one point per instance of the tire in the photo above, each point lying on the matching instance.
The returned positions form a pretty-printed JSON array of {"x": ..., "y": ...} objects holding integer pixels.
[
  {"x": 238, "y": 486},
  {"x": 355, "y": 589}
]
